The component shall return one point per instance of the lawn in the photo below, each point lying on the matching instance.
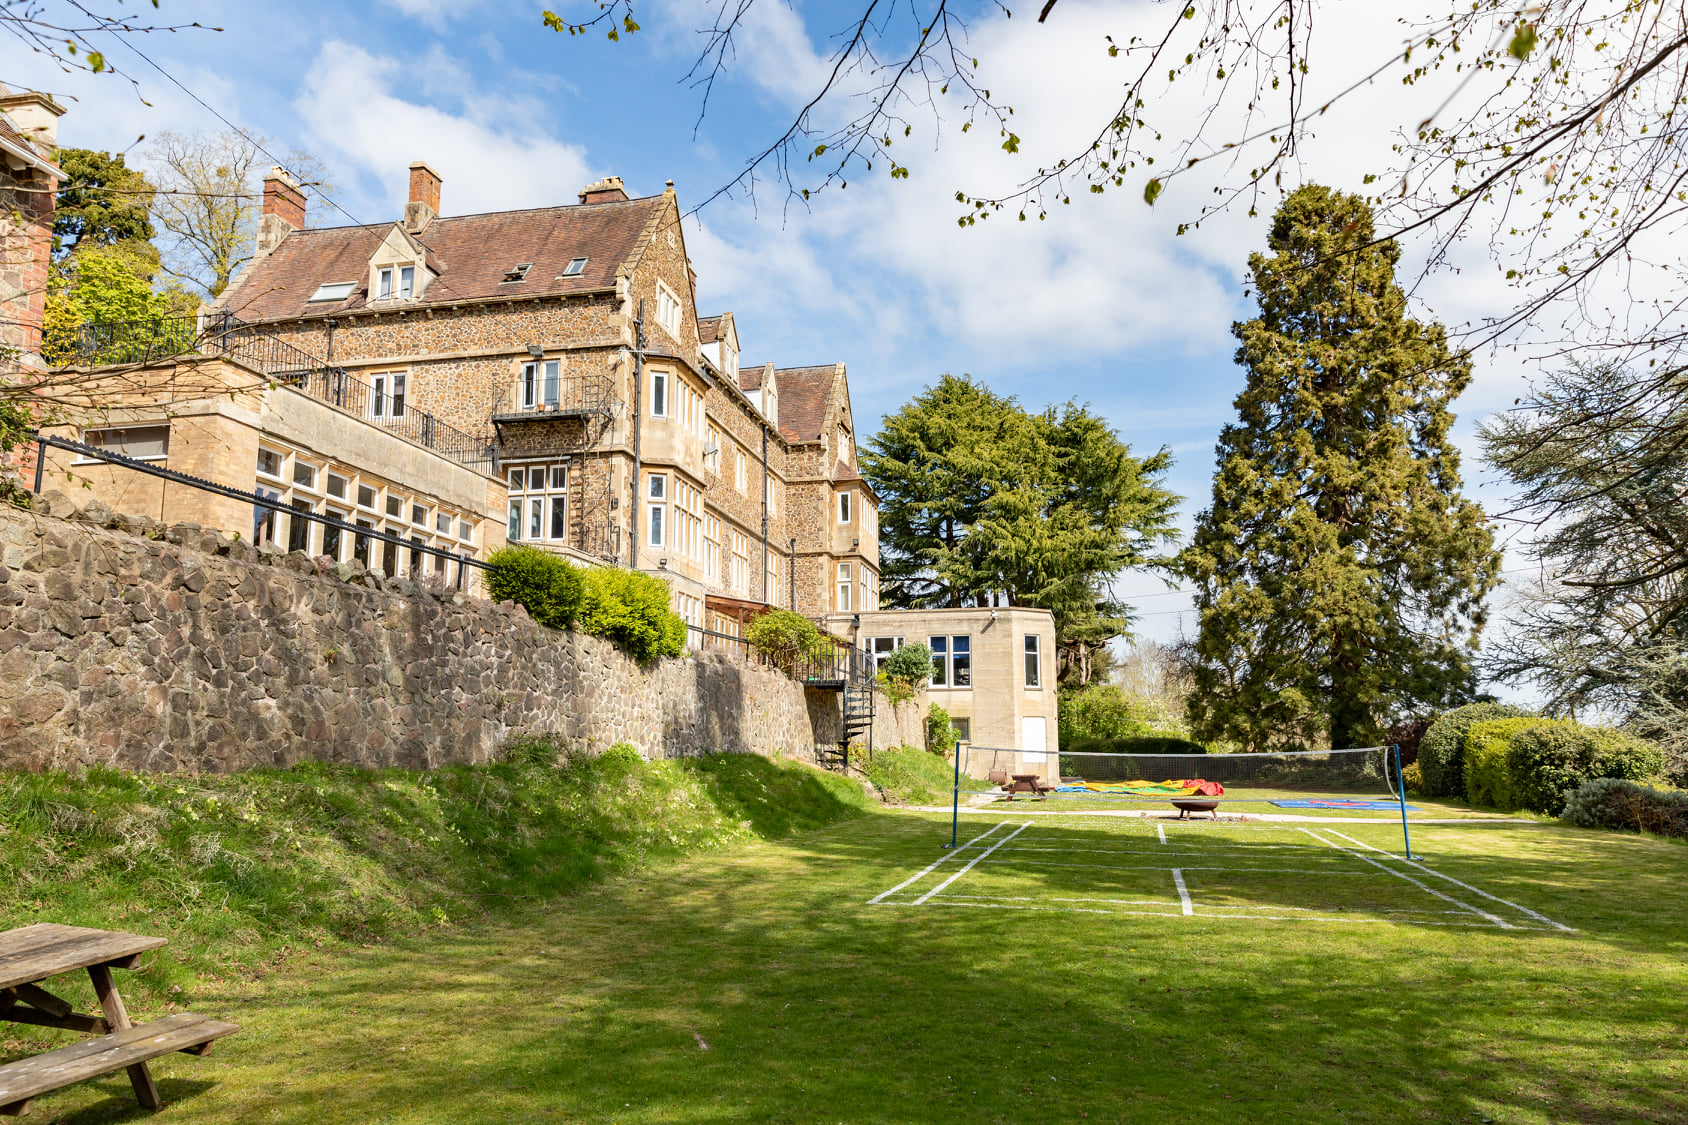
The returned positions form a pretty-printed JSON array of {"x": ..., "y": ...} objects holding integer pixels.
[
  {"x": 1244, "y": 801},
  {"x": 1057, "y": 978}
]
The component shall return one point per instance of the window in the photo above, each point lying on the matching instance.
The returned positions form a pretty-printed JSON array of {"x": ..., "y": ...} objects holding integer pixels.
[
  {"x": 390, "y": 558},
  {"x": 963, "y": 729},
  {"x": 1032, "y": 669},
  {"x": 331, "y": 536},
  {"x": 407, "y": 280},
  {"x": 464, "y": 531},
  {"x": 541, "y": 384},
  {"x": 712, "y": 548},
  {"x": 729, "y": 361},
  {"x": 143, "y": 443},
  {"x": 299, "y": 530},
  {"x": 844, "y": 599},
  {"x": 415, "y": 555},
  {"x": 337, "y": 486},
  {"x": 771, "y": 581},
  {"x": 712, "y": 450},
  {"x": 442, "y": 523},
  {"x": 360, "y": 549},
  {"x": 559, "y": 517},
  {"x": 559, "y": 478},
  {"x": 952, "y": 661},
  {"x": 518, "y": 479},
  {"x": 304, "y": 475},
  {"x": 387, "y": 400},
  {"x": 844, "y": 499},
  {"x": 269, "y": 463},
  {"x": 384, "y": 284},
  {"x": 366, "y": 497},
  {"x": 514, "y": 531},
  {"x": 575, "y": 268},
  {"x": 658, "y": 511},
  {"x": 334, "y": 291},
  {"x": 668, "y": 310},
  {"x": 536, "y": 517},
  {"x": 263, "y": 516},
  {"x": 530, "y": 385},
  {"x": 551, "y": 388},
  {"x": 738, "y": 469},
  {"x": 659, "y": 394},
  {"x": 536, "y": 479},
  {"x": 880, "y": 649},
  {"x": 419, "y": 515},
  {"x": 740, "y": 582},
  {"x": 395, "y": 507},
  {"x": 518, "y": 272}
]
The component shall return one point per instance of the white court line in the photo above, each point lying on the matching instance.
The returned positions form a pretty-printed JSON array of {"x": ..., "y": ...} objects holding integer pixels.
[
  {"x": 1457, "y": 883},
  {"x": 1173, "y": 850},
  {"x": 935, "y": 863},
  {"x": 1207, "y": 918},
  {"x": 1161, "y": 828},
  {"x": 1183, "y": 891},
  {"x": 1426, "y": 888},
  {"x": 1197, "y": 867},
  {"x": 1158, "y": 902},
  {"x": 971, "y": 862}
]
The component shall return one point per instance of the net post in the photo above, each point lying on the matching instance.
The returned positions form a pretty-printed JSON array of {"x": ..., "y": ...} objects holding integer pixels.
[
  {"x": 955, "y": 796},
  {"x": 1401, "y": 786}
]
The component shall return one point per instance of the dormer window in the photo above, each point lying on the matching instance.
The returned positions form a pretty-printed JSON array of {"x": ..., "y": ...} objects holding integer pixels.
[
  {"x": 334, "y": 291},
  {"x": 395, "y": 281},
  {"x": 519, "y": 272},
  {"x": 575, "y": 268}
]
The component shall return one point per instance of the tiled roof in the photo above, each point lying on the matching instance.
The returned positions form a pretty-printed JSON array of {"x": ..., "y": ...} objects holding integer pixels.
[
  {"x": 843, "y": 471},
  {"x": 9, "y": 132},
  {"x": 750, "y": 378},
  {"x": 803, "y": 393},
  {"x": 472, "y": 253},
  {"x": 707, "y": 327}
]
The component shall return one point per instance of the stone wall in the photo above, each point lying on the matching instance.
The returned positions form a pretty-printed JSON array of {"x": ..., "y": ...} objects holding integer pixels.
[{"x": 127, "y": 645}]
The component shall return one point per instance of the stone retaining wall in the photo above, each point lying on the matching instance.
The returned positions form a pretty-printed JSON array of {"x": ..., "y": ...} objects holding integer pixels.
[{"x": 126, "y": 644}]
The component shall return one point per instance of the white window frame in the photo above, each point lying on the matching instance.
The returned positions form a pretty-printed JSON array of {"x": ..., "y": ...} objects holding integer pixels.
[
  {"x": 846, "y": 588},
  {"x": 1033, "y": 670},
  {"x": 280, "y": 461},
  {"x": 845, "y": 504},
  {"x": 739, "y": 465},
  {"x": 406, "y": 287},
  {"x": 89, "y": 436},
  {"x": 659, "y": 394},
  {"x": 387, "y": 394},
  {"x": 384, "y": 283},
  {"x": 513, "y": 530},
  {"x": 656, "y": 494},
  {"x": 668, "y": 312}
]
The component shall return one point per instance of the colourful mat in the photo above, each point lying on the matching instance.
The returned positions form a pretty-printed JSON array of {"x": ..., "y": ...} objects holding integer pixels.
[
  {"x": 1394, "y": 806},
  {"x": 1191, "y": 787}
]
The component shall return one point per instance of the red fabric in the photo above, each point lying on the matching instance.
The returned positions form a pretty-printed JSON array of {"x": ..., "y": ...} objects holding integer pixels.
[{"x": 1205, "y": 788}]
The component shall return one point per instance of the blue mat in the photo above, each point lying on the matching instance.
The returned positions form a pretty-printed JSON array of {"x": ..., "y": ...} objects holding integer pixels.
[{"x": 1394, "y": 806}]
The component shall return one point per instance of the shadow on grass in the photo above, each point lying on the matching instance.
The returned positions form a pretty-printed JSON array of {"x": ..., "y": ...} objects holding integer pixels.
[{"x": 756, "y": 985}]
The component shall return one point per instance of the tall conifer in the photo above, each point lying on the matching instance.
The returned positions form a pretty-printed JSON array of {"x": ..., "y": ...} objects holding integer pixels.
[{"x": 1339, "y": 573}]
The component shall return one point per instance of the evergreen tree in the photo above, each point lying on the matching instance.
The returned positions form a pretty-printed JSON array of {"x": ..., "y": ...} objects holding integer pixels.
[
  {"x": 984, "y": 503},
  {"x": 1339, "y": 573},
  {"x": 101, "y": 202}
]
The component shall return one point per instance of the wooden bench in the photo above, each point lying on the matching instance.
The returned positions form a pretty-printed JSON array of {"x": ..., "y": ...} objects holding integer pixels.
[
  {"x": 32, "y": 954},
  {"x": 1029, "y": 783}
]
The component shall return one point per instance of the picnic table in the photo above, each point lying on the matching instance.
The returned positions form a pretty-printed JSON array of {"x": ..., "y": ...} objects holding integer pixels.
[
  {"x": 1028, "y": 783},
  {"x": 31, "y": 955}
]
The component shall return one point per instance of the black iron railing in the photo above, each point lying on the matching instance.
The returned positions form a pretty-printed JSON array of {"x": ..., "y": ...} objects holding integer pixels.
[
  {"x": 153, "y": 341},
  {"x": 840, "y": 667},
  {"x": 562, "y": 397}
]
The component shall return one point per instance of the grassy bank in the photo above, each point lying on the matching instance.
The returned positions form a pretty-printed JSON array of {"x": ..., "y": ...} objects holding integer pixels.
[
  {"x": 909, "y": 776},
  {"x": 237, "y": 870}
]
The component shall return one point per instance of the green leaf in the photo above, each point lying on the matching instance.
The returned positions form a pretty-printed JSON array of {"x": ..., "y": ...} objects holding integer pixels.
[
  {"x": 1012, "y": 144},
  {"x": 1523, "y": 42},
  {"x": 1151, "y": 191}
]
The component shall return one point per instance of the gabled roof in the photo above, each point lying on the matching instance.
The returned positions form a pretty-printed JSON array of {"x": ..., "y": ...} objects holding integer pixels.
[
  {"x": 472, "y": 254},
  {"x": 804, "y": 393},
  {"x": 707, "y": 327},
  {"x": 20, "y": 146}
]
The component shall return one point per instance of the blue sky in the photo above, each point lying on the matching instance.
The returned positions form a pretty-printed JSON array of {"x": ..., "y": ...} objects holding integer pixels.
[{"x": 1101, "y": 303}]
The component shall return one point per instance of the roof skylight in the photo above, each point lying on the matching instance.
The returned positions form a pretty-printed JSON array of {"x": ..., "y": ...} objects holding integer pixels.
[
  {"x": 334, "y": 290},
  {"x": 519, "y": 272},
  {"x": 575, "y": 268}
]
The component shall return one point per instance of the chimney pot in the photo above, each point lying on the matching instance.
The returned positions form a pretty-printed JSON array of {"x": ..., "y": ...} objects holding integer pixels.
[{"x": 610, "y": 189}]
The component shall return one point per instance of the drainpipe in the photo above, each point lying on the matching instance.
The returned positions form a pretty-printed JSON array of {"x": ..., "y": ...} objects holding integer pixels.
[
  {"x": 638, "y": 390},
  {"x": 767, "y": 486},
  {"x": 791, "y": 583}
]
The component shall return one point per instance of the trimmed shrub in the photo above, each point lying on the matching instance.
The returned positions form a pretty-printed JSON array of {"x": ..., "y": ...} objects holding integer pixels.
[
  {"x": 1621, "y": 804},
  {"x": 787, "y": 639},
  {"x": 909, "y": 667},
  {"x": 546, "y": 585},
  {"x": 940, "y": 732},
  {"x": 1137, "y": 744},
  {"x": 631, "y": 609},
  {"x": 1487, "y": 779},
  {"x": 1413, "y": 778},
  {"x": 1547, "y": 761},
  {"x": 1441, "y": 753}
]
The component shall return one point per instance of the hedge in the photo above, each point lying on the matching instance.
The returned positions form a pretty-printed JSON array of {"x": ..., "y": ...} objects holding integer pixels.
[
  {"x": 545, "y": 584},
  {"x": 1548, "y": 760},
  {"x": 1441, "y": 753},
  {"x": 1617, "y": 803},
  {"x": 1488, "y": 781},
  {"x": 1137, "y": 744},
  {"x": 631, "y": 609}
]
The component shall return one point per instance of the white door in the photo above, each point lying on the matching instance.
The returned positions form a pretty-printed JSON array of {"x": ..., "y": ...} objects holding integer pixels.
[{"x": 1033, "y": 744}]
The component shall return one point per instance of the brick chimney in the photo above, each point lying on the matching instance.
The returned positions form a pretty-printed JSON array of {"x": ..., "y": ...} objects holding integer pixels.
[
  {"x": 284, "y": 210},
  {"x": 610, "y": 189},
  {"x": 424, "y": 205},
  {"x": 36, "y": 116}
]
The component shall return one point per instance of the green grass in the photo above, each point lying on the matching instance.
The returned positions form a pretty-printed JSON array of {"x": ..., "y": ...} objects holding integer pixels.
[
  {"x": 753, "y": 982},
  {"x": 1255, "y": 802},
  {"x": 910, "y": 776}
]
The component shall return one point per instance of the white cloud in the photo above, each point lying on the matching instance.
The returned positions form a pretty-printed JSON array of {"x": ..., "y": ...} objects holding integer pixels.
[{"x": 492, "y": 154}]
